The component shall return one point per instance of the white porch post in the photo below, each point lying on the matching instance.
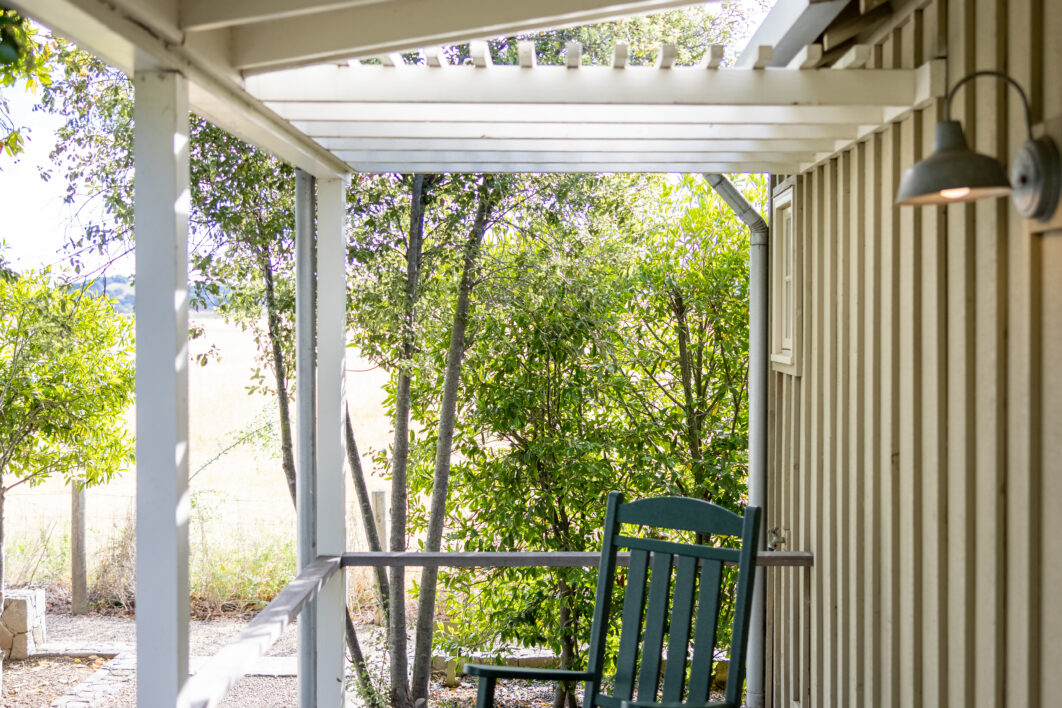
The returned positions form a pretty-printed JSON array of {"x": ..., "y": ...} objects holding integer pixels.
[
  {"x": 306, "y": 417},
  {"x": 331, "y": 448},
  {"x": 160, "y": 143}
]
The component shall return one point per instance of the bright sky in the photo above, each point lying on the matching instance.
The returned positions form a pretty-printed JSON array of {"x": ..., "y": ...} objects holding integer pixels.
[{"x": 35, "y": 221}]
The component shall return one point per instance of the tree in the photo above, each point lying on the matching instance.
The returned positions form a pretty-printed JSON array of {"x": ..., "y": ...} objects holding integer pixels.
[
  {"x": 614, "y": 357},
  {"x": 23, "y": 57},
  {"x": 66, "y": 381}
]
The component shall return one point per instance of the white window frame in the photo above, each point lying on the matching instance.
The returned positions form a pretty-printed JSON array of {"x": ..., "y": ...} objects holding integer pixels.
[{"x": 786, "y": 259}]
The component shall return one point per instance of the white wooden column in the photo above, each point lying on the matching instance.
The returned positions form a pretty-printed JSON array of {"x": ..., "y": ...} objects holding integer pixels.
[
  {"x": 331, "y": 448},
  {"x": 306, "y": 418},
  {"x": 160, "y": 144}
]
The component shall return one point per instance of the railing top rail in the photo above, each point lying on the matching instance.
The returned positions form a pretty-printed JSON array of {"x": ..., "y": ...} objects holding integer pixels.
[
  {"x": 527, "y": 559},
  {"x": 210, "y": 684}
]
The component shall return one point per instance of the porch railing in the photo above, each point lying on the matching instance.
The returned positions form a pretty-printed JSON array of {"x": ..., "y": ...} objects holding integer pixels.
[{"x": 209, "y": 685}]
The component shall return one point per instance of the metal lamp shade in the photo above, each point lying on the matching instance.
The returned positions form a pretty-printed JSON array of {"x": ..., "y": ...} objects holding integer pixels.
[{"x": 953, "y": 173}]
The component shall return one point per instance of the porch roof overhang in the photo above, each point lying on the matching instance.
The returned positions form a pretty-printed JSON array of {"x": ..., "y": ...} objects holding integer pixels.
[{"x": 255, "y": 69}]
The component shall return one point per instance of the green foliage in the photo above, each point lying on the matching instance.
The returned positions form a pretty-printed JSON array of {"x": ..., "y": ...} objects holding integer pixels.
[
  {"x": 23, "y": 57},
  {"x": 66, "y": 380},
  {"x": 576, "y": 384}
]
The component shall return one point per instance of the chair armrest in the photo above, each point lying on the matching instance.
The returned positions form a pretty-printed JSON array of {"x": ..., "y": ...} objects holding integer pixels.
[{"x": 523, "y": 672}]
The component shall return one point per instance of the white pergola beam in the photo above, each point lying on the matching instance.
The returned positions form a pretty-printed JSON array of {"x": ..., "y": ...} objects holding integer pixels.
[
  {"x": 485, "y": 115},
  {"x": 330, "y": 482},
  {"x": 404, "y": 25},
  {"x": 160, "y": 150},
  {"x": 588, "y": 86},
  {"x": 212, "y": 88},
  {"x": 588, "y": 145},
  {"x": 568, "y": 167},
  {"x": 197, "y": 15},
  {"x": 574, "y": 157},
  {"x": 790, "y": 26},
  {"x": 577, "y": 131}
]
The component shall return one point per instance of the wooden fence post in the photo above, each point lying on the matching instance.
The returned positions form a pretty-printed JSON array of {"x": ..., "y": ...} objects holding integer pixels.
[{"x": 78, "y": 579}]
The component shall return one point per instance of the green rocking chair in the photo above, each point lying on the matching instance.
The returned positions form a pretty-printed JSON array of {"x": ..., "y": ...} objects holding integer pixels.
[{"x": 672, "y": 592}]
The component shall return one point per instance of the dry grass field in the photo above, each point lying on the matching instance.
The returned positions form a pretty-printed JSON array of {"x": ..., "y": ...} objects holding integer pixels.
[{"x": 241, "y": 506}]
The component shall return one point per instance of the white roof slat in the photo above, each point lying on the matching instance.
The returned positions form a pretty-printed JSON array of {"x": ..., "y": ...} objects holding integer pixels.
[
  {"x": 434, "y": 57},
  {"x": 764, "y": 54},
  {"x": 856, "y": 57},
  {"x": 484, "y": 115},
  {"x": 573, "y": 55},
  {"x": 714, "y": 56},
  {"x": 403, "y": 25},
  {"x": 766, "y": 145},
  {"x": 666, "y": 58},
  {"x": 590, "y": 85},
  {"x": 663, "y": 166},
  {"x": 526, "y": 50},
  {"x": 428, "y": 129},
  {"x": 602, "y": 157},
  {"x": 807, "y": 58},
  {"x": 620, "y": 54},
  {"x": 480, "y": 52}
]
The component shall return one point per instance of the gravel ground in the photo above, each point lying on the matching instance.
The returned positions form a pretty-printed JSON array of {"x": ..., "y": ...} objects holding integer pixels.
[
  {"x": 35, "y": 682},
  {"x": 205, "y": 638},
  {"x": 31, "y": 683}
]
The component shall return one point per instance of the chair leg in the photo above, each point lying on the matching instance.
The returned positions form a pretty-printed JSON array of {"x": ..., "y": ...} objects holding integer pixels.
[{"x": 485, "y": 692}]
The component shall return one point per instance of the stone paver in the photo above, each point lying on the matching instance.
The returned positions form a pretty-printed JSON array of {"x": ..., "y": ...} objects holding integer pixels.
[{"x": 101, "y": 684}]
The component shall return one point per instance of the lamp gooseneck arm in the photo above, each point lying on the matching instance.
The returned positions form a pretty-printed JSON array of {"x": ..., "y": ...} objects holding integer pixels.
[{"x": 998, "y": 75}]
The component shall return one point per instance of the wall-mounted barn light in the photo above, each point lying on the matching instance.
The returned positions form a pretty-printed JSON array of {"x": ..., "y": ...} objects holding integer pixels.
[{"x": 955, "y": 173}]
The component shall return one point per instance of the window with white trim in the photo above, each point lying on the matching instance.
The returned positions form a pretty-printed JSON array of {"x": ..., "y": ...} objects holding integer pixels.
[{"x": 785, "y": 284}]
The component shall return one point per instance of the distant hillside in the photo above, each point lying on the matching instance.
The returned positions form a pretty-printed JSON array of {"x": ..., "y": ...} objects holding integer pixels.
[
  {"x": 118, "y": 287},
  {"x": 123, "y": 291}
]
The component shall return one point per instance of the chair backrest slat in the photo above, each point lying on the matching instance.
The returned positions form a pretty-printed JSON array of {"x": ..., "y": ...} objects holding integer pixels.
[
  {"x": 679, "y": 630},
  {"x": 684, "y": 513},
  {"x": 704, "y": 635},
  {"x": 655, "y": 622},
  {"x": 630, "y": 632},
  {"x": 654, "y": 545}
]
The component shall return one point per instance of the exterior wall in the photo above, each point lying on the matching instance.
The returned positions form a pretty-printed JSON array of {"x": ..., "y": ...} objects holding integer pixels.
[{"x": 917, "y": 451}]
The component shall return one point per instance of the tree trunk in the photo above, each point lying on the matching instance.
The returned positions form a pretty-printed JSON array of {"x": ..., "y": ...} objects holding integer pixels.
[
  {"x": 287, "y": 450},
  {"x": 565, "y": 691},
  {"x": 693, "y": 431},
  {"x": 443, "y": 447},
  {"x": 357, "y": 474},
  {"x": 368, "y": 691},
  {"x": 400, "y": 694},
  {"x": 265, "y": 268}
]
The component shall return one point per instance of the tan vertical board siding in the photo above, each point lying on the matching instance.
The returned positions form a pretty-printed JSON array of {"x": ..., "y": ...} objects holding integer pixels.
[
  {"x": 827, "y": 420},
  {"x": 889, "y": 323},
  {"x": 932, "y": 485},
  {"x": 961, "y": 434},
  {"x": 872, "y": 477},
  {"x": 1046, "y": 260},
  {"x": 1048, "y": 248},
  {"x": 1024, "y": 63},
  {"x": 840, "y": 427},
  {"x": 990, "y": 365},
  {"x": 908, "y": 337},
  {"x": 808, "y": 473},
  {"x": 816, "y": 368},
  {"x": 857, "y": 537}
]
